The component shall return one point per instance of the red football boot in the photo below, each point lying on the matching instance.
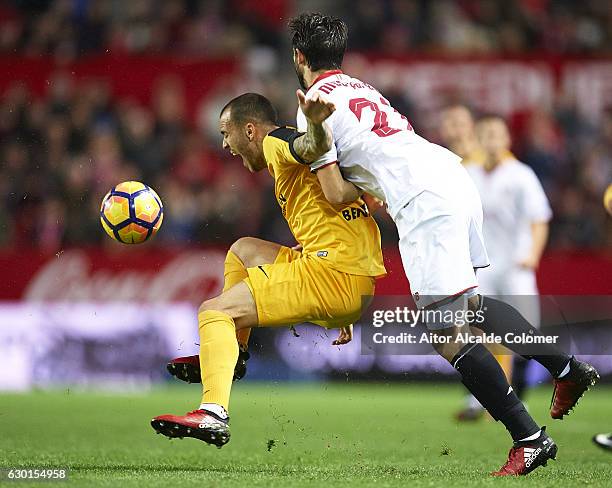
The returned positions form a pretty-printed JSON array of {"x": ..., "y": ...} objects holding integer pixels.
[
  {"x": 188, "y": 368},
  {"x": 470, "y": 414},
  {"x": 199, "y": 424},
  {"x": 526, "y": 456},
  {"x": 569, "y": 389}
]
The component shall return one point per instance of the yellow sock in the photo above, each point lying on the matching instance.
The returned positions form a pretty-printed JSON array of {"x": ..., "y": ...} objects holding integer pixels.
[
  {"x": 234, "y": 272},
  {"x": 503, "y": 357},
  {"x": 505, "y": 361},
  {"x": 218, "y": 356}
]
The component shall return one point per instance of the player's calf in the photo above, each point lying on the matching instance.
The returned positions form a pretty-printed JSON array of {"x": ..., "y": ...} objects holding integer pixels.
[
  {"x": 484, "y": 378},
  {"x": 572, "y": 378}
]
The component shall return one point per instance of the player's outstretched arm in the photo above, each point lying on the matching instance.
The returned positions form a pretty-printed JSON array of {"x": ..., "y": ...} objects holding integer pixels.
[
  {"x": 316, "y": 142},
  {"x": 318, "y": 138},
  {"x": 374, "y": 204},
  {"x": 335, "y": 188},
  {"x": 539, "y": 237}
]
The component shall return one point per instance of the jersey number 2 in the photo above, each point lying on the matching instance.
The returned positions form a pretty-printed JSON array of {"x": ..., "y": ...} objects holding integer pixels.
[{"x": 381, "y": 126}]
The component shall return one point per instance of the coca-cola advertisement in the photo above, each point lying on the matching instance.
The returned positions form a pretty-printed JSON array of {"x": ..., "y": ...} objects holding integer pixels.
[
  {"x": 71, "y": 318},
  {"x": 160, "y": 275},
  {"x": 155, "y": 277}
]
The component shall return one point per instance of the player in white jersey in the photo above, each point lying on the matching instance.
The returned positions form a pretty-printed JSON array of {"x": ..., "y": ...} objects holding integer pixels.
[
  {"x": 457, "y": 130},
  {"x": 516, "y": 216},
  {"x": 381, "y": 154},
  {"x": 516, "y": 212},
  {"x": 438, "y": 213}
]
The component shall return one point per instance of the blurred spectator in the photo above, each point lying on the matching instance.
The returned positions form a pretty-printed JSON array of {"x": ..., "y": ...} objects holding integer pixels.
[
  {"x": 140, "y": 145},
  {"x": 67, "y": 29},
  {"x": 60, "y": 153}
]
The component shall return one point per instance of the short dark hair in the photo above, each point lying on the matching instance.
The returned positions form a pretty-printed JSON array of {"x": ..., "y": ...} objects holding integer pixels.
[
  {"x": 321, "y": 39},
  {"x": 250, "y": 107}
]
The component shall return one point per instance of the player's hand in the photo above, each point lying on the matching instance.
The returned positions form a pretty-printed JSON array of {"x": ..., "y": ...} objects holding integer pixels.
[
  {"x": 372, "y": 202},
  {"x": 530, "y": 263},
  {"x": 316, "y": 108},
  {"x": 345, "y": 336},
  {"x": 297, "y": 247}
]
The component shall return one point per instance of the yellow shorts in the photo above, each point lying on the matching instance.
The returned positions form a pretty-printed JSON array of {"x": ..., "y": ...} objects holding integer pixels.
[{"x": 299, "y": 288}]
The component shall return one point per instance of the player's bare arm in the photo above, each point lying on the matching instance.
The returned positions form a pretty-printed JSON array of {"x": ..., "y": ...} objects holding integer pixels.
[
  {"x": 317, "y": 141},
  {"x": 335, "y": 188},
  {"x": 374, "y": 204},
  {"x": 539, "y": 237},
  {"x": 318, "y": 138}
]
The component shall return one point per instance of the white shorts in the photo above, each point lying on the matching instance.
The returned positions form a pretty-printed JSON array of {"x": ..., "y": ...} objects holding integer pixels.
[
  {"x": 514, "y": 285},
  {"x": 441, "y": 241}
]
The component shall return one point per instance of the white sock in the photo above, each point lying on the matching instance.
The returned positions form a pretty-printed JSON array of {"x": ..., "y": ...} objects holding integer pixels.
[
  {"x": 215, "y": 408},
  {"x": 565, "y": 370},
  {"x": 532, "y": 437},
  {"x": 473, "y": 403}
]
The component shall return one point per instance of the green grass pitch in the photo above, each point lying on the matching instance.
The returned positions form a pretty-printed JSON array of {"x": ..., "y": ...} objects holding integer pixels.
[{"x": 283, "y": 435}]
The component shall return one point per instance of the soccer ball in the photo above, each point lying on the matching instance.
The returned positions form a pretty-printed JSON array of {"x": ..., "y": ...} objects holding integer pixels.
[{"x": 131, "y": 212}]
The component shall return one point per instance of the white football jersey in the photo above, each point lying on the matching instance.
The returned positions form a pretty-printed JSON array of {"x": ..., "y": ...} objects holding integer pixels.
[
  {"x": 512, "y": 198},
  {"x": 375, "y": 145}
]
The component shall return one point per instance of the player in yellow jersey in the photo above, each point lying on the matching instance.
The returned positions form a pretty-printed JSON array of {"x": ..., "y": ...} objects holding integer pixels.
[{"x": 267, "y": 284}]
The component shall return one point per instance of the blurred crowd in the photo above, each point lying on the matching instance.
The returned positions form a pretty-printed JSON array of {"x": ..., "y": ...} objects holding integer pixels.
[
  {"x": 60, "y": 153},
  {"x": 69, "y": 28}
]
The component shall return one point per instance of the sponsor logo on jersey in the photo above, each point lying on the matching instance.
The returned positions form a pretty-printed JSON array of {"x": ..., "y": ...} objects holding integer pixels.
[
  {"x": 282, "y": 201},
  {"x": 352, "y": 213}
]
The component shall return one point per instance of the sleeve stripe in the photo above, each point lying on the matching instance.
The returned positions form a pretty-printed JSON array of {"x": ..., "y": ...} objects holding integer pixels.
[
  {"x": 294, "y": 153},
  {"x": 324, "y": 166}
]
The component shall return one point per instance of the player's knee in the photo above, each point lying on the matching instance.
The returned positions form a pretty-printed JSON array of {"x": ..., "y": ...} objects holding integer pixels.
[
  {"x": 443, "y": 350},
  {"x": 209, "y": 305},
  {"x": 447, "y": 345},
  {"x": 217, "y": 304},
  {"x": 226, "y": 305},
  {"x": 246, "y": 249},
  {"x": 474, "y": 303}
]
